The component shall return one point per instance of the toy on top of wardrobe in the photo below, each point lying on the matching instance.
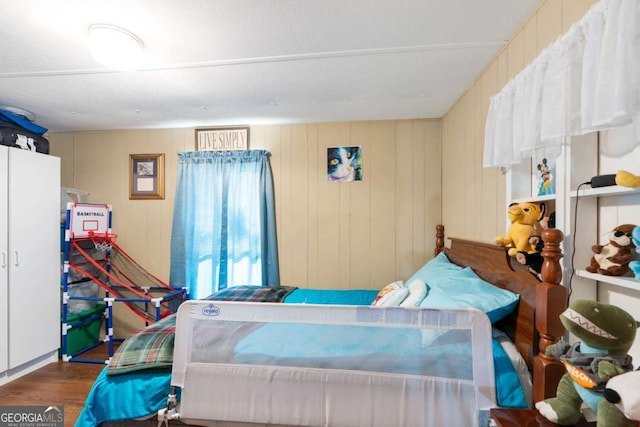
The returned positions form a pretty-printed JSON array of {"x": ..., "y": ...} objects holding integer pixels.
[{"x": 613, "y": 258}]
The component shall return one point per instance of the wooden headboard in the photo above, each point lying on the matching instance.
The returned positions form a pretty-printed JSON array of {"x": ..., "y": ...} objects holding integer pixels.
[{"x": 535, "y": 324}]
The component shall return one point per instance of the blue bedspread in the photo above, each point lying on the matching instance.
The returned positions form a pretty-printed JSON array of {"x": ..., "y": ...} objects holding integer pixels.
[
  {"x": 140, "y": 394},
  {"x": 376, "y": 350},
  {"x": 124, "y": 397}
]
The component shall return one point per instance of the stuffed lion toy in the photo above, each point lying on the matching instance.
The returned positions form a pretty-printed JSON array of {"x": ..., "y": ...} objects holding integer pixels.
[
  {"x": 606, "y": 333},
  {"x": 525, "y": 222}
]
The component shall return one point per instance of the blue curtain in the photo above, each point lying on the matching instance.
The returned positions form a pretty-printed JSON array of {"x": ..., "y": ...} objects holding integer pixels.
[{"x": 224, "y": 228}]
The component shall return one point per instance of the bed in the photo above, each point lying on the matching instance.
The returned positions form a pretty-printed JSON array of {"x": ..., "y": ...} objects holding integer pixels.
[{"x": 392, "y": 383}]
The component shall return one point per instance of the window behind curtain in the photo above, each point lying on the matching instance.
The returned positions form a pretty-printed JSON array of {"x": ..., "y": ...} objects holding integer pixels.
[{"x": 224, "y": 231}]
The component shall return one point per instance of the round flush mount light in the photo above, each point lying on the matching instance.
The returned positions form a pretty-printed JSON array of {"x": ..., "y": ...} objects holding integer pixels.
[{"x": 115, "y": 47}]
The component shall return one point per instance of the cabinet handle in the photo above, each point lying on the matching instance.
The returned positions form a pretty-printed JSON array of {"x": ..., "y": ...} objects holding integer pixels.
[
  {"x": 17, "y": 263},
  {"x": 4, "y": 259}
]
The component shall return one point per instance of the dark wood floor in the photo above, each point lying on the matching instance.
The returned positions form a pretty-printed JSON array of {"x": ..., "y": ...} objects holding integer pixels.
[{"x": 57, "y": 384}]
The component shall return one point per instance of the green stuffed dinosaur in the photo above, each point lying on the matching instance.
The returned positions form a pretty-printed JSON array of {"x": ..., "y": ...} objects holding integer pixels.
[{"x": 606, "y": 333}]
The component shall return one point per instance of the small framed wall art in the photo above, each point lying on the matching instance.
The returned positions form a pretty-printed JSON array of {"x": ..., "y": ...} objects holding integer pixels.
[
  {"x": 146, "y": 176},
  {"x": 344, "y": 164},
  {"x": 545, "y": 182}
]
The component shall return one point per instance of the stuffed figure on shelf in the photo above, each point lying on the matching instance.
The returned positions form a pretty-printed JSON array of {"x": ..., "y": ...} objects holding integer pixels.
[
  {"x": 546, "y": 177},
  {"x": 627, "y": 179},
  {"x": 605, "y": 333},
  {"x": 525, "y": 223},
  {"x": 635, "y": 265},
  {"x": 534, "y": 260},
  {"x": 623, "y": 391},
  {"x": 613, "y": 258}
]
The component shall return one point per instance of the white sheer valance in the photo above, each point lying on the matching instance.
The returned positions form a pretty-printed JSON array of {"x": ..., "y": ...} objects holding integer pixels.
[{"x": 587, "y": 80}]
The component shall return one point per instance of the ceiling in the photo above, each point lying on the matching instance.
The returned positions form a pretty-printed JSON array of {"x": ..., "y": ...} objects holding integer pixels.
[{"x": 249, "y": 62}]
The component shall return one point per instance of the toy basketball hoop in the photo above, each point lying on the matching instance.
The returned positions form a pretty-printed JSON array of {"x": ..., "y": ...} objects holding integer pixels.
[
  {"x": 102, "y": 242},
  {"x": 85, "y": 218}
]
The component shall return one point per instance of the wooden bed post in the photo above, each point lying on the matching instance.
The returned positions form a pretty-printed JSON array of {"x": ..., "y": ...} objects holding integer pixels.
[
  {"x": 439, "y": 239},
  {"x": 551, "y": 301}
]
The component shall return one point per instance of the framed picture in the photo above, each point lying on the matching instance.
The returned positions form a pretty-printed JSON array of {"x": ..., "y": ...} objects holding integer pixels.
[
  {"x": 146, "y": 176},
  {"x": 344, "y": 164},
  {"x": 223, "y": 139},
  {"x": 545, "y": 183}
]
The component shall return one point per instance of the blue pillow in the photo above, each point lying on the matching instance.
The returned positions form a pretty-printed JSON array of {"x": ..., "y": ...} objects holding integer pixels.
[
  {"x": 464, "y": 289},
  {"x": 435, "y": 269}
]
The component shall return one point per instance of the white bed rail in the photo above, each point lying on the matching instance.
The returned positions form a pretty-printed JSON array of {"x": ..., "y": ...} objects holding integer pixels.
[{"x": 221, "y": 378}]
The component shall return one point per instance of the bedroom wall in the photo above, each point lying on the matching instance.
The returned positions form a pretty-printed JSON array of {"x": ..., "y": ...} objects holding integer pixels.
[
  {"x": 330, "y": 235},
  {"x": 464, "y": 182},
  {"x": 417, "y": 173}
]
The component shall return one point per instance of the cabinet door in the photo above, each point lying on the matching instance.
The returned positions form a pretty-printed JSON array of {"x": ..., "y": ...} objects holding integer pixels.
[
  {"x": 4, "y": 326},
  {"x": 34, "y": 247}
]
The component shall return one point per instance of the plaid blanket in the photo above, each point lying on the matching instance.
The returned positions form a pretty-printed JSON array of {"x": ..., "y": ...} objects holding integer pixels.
[
  {"x": 252, "y": 293},
  {"x": 152, "y": 347}
]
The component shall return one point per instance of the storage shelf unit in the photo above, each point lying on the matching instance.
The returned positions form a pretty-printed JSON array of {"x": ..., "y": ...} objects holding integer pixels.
[
  {"x": 625, "y": 282},
  {"x": 615, "y": 199},
  {"x": 614, "y": 190},
  {"x": 587, "y": 215}
]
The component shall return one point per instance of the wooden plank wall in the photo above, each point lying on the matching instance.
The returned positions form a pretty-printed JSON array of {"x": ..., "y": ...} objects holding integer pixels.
[
  {"x": 473, "y": 204},
  {"x": 359, "y": 235},
  {"x": 417, "y": 173}
]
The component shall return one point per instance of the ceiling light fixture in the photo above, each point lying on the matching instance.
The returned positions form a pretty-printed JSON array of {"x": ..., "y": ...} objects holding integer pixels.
[{"x": 115, "y": 47}]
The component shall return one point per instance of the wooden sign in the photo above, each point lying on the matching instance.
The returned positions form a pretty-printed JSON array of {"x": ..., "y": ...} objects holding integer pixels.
[{"x": 222, "y": 139}]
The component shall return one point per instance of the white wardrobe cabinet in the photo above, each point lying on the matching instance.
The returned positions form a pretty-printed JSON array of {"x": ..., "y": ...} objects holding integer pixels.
[{"x": 29, "y": 261}]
